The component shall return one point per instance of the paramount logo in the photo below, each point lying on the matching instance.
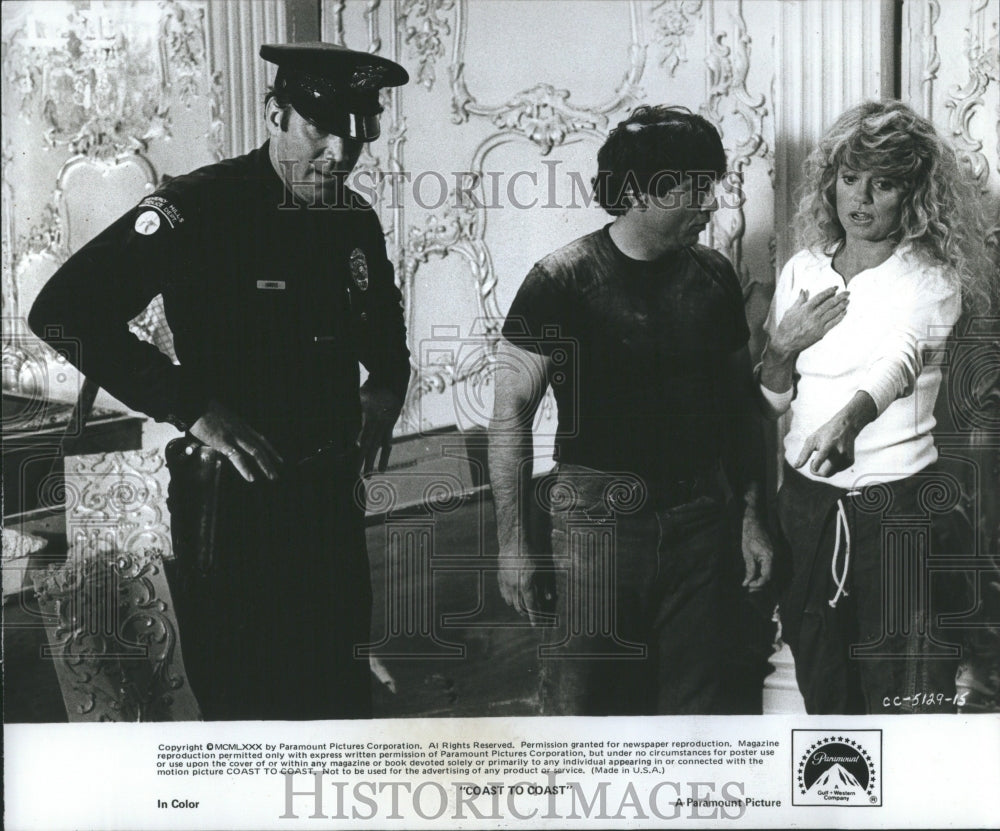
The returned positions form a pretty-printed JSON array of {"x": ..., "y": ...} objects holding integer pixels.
[
  {"x": 837, "y": 769},
  {"x": 836, "y": 783}
]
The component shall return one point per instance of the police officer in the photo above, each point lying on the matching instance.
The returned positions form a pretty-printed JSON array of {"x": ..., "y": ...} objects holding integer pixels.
[{"x": 276, "y": 284}]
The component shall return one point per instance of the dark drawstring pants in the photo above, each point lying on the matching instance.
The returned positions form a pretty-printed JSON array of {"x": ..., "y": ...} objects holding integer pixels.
[{"x": 887, "y": 645}]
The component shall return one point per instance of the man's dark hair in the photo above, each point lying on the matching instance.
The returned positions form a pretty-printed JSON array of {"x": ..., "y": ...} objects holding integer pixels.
[
  {"x": 656, "y": 146},
  {"x": 282, "y": 100}
]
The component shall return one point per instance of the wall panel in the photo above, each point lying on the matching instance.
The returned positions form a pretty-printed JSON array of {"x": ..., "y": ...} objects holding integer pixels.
[{"x": 528, "y": 91}]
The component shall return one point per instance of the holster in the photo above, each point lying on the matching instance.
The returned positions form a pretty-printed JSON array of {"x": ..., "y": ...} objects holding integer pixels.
[{"x": 193, "y": 500}]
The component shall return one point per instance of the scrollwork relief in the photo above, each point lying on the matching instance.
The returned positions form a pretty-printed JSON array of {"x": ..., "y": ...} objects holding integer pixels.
[
  {"x": 965, "y": 101},
  {"x": 217, "y": 111},
  {"x": 458, "y": 230},
  {"x": 336, "y": 14},
  {"x": 95, "y": 77},
  {"x": 96, "y": 81},
  {"x": 45, "y": 237},
  {"x": 424, "y": 30},
  {"x": 728, "y": 69},
  {"x": 673, "y": 21},
  {"x": 931, "y": 56},
  {"x": 25, "y": 361},
  {"x": 183, "y": 49},
  {"x": 544, "y": 114},
  {"x": 371, "y": 16},
  {"x": 113, "y": 636},
  {"x": 121, "y": 491}
]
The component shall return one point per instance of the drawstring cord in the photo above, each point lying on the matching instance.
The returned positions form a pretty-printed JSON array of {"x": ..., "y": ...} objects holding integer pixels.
[{"x": 842, "y": 528}]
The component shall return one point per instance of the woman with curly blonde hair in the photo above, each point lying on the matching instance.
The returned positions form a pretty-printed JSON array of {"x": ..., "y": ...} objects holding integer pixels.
[{"x": 894, "y": 242}]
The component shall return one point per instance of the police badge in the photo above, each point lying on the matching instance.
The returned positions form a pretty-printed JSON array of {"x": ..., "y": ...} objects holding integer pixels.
[
  {"x": 359, "y": 269},
  {"x": 368, "y": 77}
]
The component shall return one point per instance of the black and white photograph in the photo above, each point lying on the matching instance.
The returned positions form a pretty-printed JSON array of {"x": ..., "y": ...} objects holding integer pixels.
[{"x": 501, "y": 413}]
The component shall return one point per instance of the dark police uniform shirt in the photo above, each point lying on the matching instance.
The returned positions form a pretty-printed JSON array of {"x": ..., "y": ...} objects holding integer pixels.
[
  {"x": 267, "y": 315},
  {"x": 639, "y": 352}
]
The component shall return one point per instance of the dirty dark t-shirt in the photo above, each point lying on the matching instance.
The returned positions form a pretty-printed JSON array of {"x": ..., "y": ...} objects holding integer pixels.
[{"x": 638, "y": 353}]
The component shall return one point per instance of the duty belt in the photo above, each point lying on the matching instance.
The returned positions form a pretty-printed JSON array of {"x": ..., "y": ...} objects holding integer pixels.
[{"x": 331, "y": 452}]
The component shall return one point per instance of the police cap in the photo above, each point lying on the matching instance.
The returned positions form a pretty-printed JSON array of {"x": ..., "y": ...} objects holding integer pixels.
[{"x": 332, "y": 86}]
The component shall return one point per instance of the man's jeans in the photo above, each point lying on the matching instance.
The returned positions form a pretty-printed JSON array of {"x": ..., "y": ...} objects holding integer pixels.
[{"x": 642, "y": 596}]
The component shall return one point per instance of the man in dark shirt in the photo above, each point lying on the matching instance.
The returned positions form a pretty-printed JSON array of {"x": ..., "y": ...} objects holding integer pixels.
[
  {"x": 641, "y": 333},
  {"x": 275, "y": 284}
]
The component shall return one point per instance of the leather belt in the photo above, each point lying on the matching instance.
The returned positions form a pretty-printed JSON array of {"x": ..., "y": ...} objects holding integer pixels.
[{"x": 331, "y": 452}]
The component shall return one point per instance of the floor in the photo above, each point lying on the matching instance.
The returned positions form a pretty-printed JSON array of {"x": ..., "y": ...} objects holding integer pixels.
[{"x": 450, "y": 644}]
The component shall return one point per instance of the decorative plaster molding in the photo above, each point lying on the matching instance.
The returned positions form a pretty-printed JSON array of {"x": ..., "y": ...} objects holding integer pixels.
[
  {"x": 107, "y": 167},
  {"x": 8, "y": 285},
  {"x": 544, "y": 116},
  {"x": 47, "y": 237},
  {"x": 728, "y": 68},
  {"x": 217, "y": 114},
  {"x": 673, "y": 21},
  {"x": 98, "y": 85},
  {"x": 458, "y": 229},
  {"x": 99, "y": 81},
  {"x": 932, "y": 58},
  {"x": 965, "y": 101},
  {"x": 25, "y": 360},
  {"x": 333, "y": 32},
  {"x": 183, "y": 49},
  {"x": 921, "y": 60},
  {"x": 543, "y": 113},
  {"x": 114, "y": 638},
  {"x": 371, "y": 15},
  {"x": 425, "y": 29},
  {"x": 124, "y": 491},
  {"x": 111, "y": 628}
]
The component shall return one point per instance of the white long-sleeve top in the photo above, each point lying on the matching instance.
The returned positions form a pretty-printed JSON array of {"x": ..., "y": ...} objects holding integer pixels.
[{"x": 896, "y": 311}]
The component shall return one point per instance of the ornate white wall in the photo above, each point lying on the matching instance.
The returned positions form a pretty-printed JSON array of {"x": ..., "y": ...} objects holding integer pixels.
[
  {"x": 951, "y": 74},
  {"x": 523, "y": 94},
  {"x": 101, "y": 100}
]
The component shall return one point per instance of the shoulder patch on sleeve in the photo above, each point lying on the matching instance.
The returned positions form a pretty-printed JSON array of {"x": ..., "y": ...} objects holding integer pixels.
[{"x": 154, "y": 212}]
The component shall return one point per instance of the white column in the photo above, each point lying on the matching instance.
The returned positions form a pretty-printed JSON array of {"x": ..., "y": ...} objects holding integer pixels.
[
  {"x": 237, "y": 28},
  {"x": 829, "y": 55}
]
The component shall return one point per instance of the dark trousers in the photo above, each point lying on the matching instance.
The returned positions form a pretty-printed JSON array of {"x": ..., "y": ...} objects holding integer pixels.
[
  {"x": 643, "y": 598},
  {"x": 885, "y": 646},
  {"x": 269, "y": 627}
]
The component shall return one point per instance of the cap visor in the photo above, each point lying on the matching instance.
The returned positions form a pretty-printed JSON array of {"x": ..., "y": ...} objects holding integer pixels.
[{"x": 340, "y": 123}]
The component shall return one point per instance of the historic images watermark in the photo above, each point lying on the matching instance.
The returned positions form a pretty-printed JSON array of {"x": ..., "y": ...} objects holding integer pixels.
[
  {"x": 319, "y": 796},
  {"x": 551, "y": 187}
]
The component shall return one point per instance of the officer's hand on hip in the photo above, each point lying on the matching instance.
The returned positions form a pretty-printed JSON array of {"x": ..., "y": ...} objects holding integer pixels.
[
  {"x": 250, "y": 453},
  {"x": 379, "y": 411}
]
